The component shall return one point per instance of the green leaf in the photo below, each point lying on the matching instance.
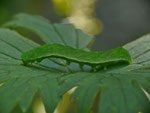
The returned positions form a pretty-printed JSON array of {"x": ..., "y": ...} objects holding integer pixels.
[
  {"x": 22, "y": 90},
  {"x": 110, "y": 57},
  {"x": 124, "y": 96},
  {"x": 86, "y": 92},
  {"x": 64, "y": 34},
  {"x": 140, "y": 50},
  {"x": 120, "y": 92},
  {"x": 21, "y": 83},
  {"x": 121, "y": 86}
]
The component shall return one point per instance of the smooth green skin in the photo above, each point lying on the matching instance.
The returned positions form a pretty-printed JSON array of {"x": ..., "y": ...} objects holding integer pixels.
[{"x": 116, "y": 55}]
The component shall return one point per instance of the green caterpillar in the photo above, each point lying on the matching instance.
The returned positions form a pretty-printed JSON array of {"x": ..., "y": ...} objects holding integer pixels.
[{"x": 70, "y": 54}]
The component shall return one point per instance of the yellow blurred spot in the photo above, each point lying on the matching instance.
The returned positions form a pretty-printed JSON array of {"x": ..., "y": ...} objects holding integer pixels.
[
  {"x": 1, "y": 84},
  {"x": 63, "y": 7},
  {"x": 80, "y": 13},
  {"x": 66, "y": 103},
  {"x": 63, "y": 106},
  {"x": 89, "y": 25},
  {"x": 38, "y": 106}
]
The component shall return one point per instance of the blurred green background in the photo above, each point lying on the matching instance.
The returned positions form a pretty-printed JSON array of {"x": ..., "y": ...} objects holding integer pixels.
[{"x": 122, "y": 20}]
